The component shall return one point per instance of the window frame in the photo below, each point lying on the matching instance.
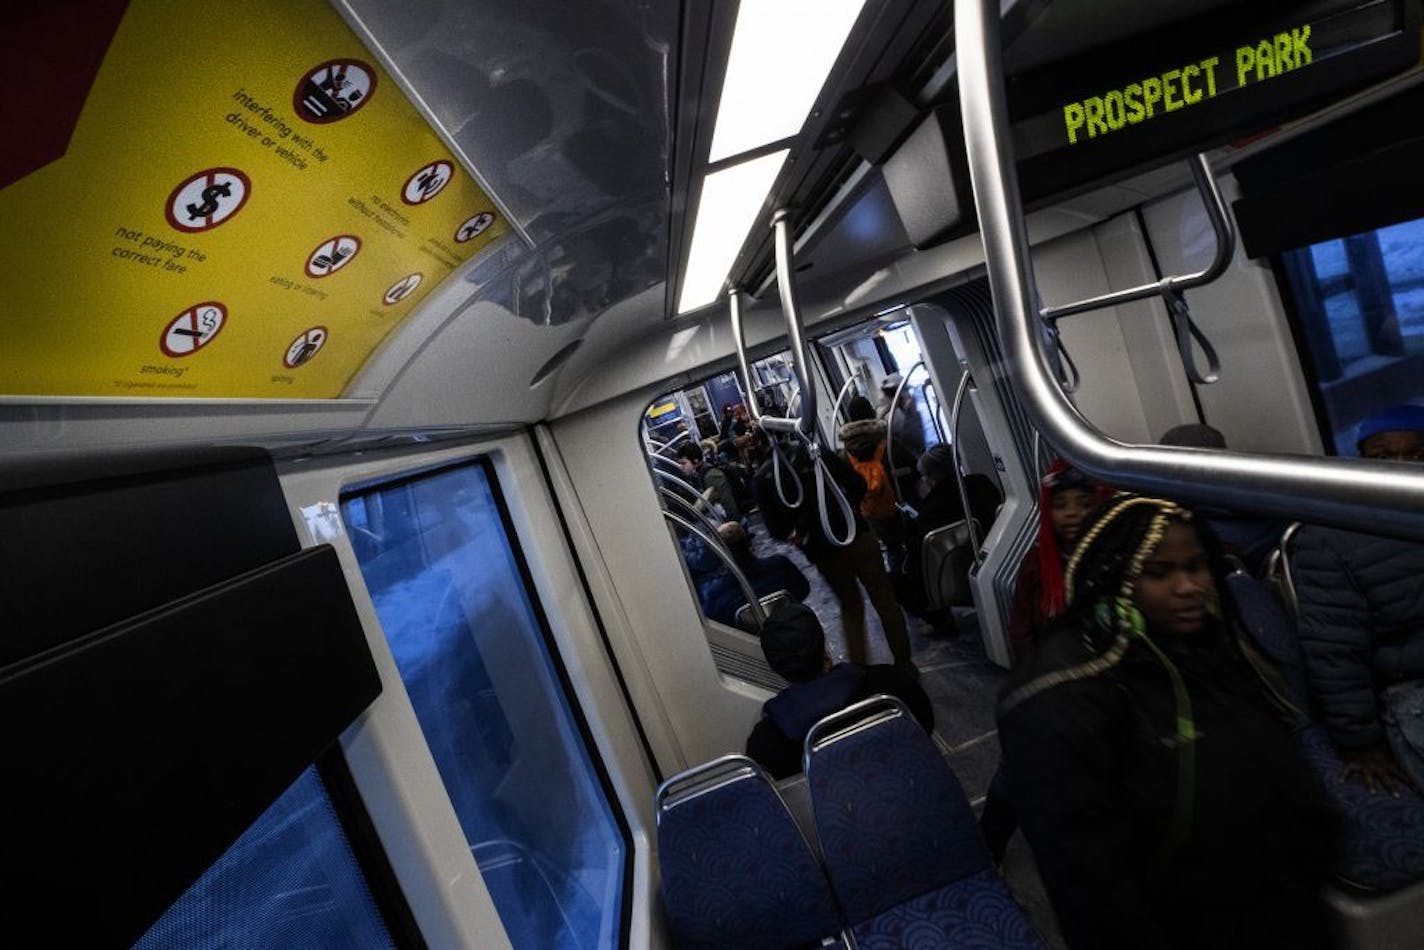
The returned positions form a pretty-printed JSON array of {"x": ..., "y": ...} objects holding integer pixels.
[
  {"x": 1306, "y": 356},
  {"x": 483, "y": 460}
]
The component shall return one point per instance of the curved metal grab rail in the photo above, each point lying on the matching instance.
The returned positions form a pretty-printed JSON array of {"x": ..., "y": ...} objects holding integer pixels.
[
  {"x": 836, "y": 412},
  {"x": 936, "y": 409},
  {"x": 753, "y": 601},
  {"x": 1170, "y": 288},
  {"x": 965, "y": 383},
  {"x": 890, "y": 416},
  {"x": 802, "y": 425},
  {"x": 691, "y": 509},
  {"x": 1355, "y": 494},
  {"x": 1221, "y": 225}
]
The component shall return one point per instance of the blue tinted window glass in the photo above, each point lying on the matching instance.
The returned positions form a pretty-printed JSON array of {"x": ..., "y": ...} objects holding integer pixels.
[
  {"x": 1360, "y": 303},
  {"x": 453, "y": 605},
  {"x": 291, "y": 880}
]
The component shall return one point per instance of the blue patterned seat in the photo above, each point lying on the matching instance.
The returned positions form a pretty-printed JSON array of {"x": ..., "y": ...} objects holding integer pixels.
[
  {"x": 736, "y": 871},
  {"x": 899, "y": 840},
  {"x": 1382, "y": 837}
]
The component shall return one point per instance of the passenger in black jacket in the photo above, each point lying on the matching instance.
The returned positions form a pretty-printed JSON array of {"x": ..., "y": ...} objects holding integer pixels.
[
  {"x": 1150, "y": 760},
  {"x": 1361, "y": 622},
  {"x": 847, "y": 569},
  {"x": 795, "y": 647}
]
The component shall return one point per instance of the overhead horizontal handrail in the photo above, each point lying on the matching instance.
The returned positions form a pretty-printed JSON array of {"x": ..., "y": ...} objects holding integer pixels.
[
  {"x": 966, "y": 382},
  {"x": 1384, "y": 497},
  {"x": 753, "y": 601},
  {"x": 1171, "y": 289}
]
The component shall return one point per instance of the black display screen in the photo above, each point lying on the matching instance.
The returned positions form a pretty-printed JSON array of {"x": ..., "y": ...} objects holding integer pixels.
[{"x": 1199, "y": 84}]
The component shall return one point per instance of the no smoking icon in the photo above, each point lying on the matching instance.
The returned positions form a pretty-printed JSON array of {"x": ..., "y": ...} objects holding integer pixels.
[{"x": 193, "y": 329}]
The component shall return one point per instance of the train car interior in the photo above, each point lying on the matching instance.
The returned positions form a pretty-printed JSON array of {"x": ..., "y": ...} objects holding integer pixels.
[{"x": 397, "y": 398}]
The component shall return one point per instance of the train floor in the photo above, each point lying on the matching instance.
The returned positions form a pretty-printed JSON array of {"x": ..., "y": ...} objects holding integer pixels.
[{"x": 963, "y": 684}]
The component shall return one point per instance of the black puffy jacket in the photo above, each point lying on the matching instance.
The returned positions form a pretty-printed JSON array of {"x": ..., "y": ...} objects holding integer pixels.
[
  {"x": 1094, "y": 773},
  {"x": 1361, "y": 625}
]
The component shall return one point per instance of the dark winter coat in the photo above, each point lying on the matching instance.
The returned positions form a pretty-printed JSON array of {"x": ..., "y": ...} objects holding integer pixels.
[
  {"x": 1361, "y": 625},
  {"x": 1093, "y": 774},
  {"x": 776, "y": 740},
  {"x": 767, "y": 576}
]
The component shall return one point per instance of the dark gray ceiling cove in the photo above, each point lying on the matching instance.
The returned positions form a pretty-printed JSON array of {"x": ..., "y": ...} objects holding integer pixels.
[{"x": 562, "y": 108}]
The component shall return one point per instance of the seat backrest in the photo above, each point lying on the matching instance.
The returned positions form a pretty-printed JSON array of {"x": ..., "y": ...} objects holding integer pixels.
[
  {"x": 746, "y": 620},
  {"x": 1272, "y": 630},
  {"x": 893, "y": 821},
  {"x": 736, "y": 871},
  {"x": 946, "y": 555}
]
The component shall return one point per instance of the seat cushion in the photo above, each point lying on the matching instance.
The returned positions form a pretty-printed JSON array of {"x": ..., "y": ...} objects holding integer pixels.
[
  {"x": 1382, "y": 847},
  {"x": 977, "y": 912}
]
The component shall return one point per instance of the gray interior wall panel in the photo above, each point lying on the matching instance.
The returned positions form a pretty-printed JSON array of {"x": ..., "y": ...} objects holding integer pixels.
[
  {"x": 1261, "y": 402},
  {"x": 603, "y": 454}
]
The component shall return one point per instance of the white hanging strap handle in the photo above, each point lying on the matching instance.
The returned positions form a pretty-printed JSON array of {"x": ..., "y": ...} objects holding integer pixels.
[
  {"x": 823, "y": 478},
  {"x": 780, "y": 463},
  {"x": 1186, "y": 330}
]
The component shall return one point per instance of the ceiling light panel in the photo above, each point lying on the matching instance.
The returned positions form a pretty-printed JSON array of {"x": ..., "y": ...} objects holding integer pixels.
[
  {"x": 726, "y": 211},
  {"x": 782, "y": 51}
]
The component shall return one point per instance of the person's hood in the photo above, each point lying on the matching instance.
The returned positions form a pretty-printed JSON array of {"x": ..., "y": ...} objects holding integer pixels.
[
  {"x": 800, "y": 706},
  {"x": 862, "y": 436}
]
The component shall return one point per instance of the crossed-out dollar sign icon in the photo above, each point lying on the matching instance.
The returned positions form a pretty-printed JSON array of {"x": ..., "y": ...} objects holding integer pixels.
[
  {"x": 210, "y": 201},
  {"x": 207, "y": 199}
]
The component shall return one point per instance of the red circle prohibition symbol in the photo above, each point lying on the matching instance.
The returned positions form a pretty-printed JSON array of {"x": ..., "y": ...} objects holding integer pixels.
[
  {"x": 301, "y": 350},
  {"x": 332, "y": 255},
  {"x": 427, "y": 182},
  {"x": 198, "y": 198},
  {"x": 193, "y": 329},
  {"x": 474, "y": 227},
  {"x": 338, "y": 94},
  {"x": 402, "y": 289}
]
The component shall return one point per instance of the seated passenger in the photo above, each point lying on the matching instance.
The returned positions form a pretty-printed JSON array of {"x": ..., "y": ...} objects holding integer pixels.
[
  {"x": 1250, "y": 538},
  {"x": 767, "y": 574},
  {"x": 1066, "y": 499},
  {"x": 1361, "y": 627},
  {"x": 1150, "y": 761},
  {"x": 939, "y": 506},
  {"x": 795, "y": 647},
  {"x": 868, "y": 451},
  {"x": 709, "y": 479}
]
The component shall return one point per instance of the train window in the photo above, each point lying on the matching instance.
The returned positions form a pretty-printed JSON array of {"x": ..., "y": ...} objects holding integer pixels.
[
  {"x": 471, "y": 647},
  {"x": 291, "y": 880},
  {"x": 1360, "y": 307}
]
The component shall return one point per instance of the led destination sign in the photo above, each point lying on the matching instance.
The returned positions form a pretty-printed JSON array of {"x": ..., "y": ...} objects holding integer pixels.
[
  {"x": 1186, "y": 85},
  {"x": 1199, "y": 84}
]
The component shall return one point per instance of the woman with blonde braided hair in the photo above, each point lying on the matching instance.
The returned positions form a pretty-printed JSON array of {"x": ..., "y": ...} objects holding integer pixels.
[{"x": 1150, "y": 758}]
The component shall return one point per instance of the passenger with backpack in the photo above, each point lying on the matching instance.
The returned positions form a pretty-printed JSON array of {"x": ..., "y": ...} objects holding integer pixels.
[
  {"x": 847, "y": 569},
  {"x": 868, "y": 451}
]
